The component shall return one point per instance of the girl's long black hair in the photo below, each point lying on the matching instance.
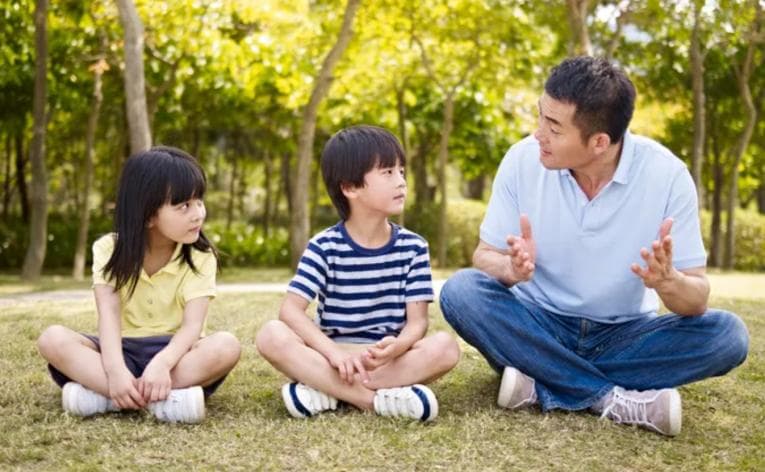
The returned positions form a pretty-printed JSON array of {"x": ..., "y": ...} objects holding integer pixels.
[{"x": 149, "y": 180}]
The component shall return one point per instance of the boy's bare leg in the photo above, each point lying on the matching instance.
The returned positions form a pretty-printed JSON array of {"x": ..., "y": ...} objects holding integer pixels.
[
  {"x": 208, "y": 360},
  {"x": 75, "y": 356},
  {"x": 428, "y": 359},
  {"x": 287, "y": 352}
]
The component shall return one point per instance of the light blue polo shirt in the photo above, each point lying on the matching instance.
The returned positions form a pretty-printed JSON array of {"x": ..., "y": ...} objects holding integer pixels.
[{"x": 585, "y": 247}]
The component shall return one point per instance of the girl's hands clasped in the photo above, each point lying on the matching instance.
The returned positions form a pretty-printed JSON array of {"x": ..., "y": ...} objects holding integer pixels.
[
  {"x": 123, "y": 390},
  {"x": 155, "y": 383}
]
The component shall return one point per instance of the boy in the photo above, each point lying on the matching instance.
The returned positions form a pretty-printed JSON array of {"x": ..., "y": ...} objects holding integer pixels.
[{"x": 368, "y": 345}]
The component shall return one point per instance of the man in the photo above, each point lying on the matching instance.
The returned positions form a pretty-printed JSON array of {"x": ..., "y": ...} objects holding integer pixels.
[{"x": 565, "y": 312}]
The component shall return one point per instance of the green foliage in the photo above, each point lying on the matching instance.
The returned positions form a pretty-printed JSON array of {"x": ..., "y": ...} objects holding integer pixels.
[
  {"x": 464, "y": 219},
  {"x": 750, "y": 238},
  {"x": 243, "y": 244}
]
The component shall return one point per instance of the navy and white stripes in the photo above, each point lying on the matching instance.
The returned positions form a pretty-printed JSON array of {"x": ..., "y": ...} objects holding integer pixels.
[{"x": 363, "y": 292}]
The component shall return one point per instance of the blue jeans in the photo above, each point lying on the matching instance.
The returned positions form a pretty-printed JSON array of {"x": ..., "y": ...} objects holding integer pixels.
[{"x": 576, "y": 361}]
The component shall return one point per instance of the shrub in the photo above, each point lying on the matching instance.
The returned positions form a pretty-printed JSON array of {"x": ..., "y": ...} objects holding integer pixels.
[
  {"x": 750, "y": 238},
  {"x": 62, "y": 237},
  {"x": 464, "y": 218},
  {"x": 244, "y": 245}
]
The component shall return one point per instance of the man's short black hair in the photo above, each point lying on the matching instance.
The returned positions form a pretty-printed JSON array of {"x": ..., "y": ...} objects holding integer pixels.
[
  {"x": 603, "y": 95},
  {"x": 352, "y": 152}
]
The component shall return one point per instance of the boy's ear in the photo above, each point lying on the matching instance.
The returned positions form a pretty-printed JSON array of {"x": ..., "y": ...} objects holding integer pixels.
[{"x": 349, "y": 190}]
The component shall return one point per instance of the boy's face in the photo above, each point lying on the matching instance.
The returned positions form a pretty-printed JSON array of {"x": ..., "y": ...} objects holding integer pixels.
[{"x": 383, "y": 193}]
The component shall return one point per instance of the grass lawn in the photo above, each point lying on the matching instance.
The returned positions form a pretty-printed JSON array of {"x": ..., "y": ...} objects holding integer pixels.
[{"x": 248, "y": 428}]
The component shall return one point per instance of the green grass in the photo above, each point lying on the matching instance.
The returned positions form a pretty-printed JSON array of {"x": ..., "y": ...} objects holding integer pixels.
[{"x": 248, "y": 428}]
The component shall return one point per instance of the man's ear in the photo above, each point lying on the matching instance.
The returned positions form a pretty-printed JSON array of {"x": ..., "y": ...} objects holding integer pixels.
[{"x": 599, "y": 142}]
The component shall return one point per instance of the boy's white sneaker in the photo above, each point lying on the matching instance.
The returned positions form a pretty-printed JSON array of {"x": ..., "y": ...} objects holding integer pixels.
[
  {"x": 414, "y": 401},
  {"x": 516, "y": 389},
  {"x": 183, "y": 405},
  {"x": 80, "y": 401},
  {"x": 657, "y": 410},
  {"x": 303, "y": 401}
]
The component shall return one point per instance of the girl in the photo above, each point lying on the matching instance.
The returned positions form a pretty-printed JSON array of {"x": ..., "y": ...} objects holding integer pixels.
[{"x": 153, "y": 280}]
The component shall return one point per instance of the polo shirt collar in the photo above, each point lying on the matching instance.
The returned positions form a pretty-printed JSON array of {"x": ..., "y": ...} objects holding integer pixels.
[
  {"x": 173, "y": 265},
  {"x": 626, "y": 159}
]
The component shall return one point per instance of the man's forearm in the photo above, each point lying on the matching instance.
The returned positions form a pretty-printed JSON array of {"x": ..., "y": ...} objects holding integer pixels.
[
  {"x": 495, "y": 264},
  {"x": 685, "y": 293}
]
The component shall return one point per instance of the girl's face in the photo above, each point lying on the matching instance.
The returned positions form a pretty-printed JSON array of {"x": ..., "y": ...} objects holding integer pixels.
[{"x": 180, "y": 223}]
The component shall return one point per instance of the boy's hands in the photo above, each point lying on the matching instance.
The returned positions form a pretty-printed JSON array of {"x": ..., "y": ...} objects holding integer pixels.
[
  {"x": 347, "y": 364},
  {"x": 382, "y": 352},
  {"x": 123, "y": 390},
  {"x": 155, "y": 383}
]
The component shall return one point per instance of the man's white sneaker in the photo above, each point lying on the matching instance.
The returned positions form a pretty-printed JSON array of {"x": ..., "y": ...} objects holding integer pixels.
[
  {"x": 414, "y": 401},
  {"x": 303, "y": 401},
  {"x": 183, "y": 405},
  {"x": 80, "y": 401},
  {"x": 657, "y": 410},
  {"x": 516, "y": 389}
]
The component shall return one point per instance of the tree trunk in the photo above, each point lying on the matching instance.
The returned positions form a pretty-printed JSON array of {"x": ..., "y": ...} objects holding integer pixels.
[
  {"x": 443, "y": 160},
  {"x": 579, "y": 43},
  {"x": 761, "y": 199},
  {"x": 286, "y": 181},
  {"x": 232, "y": 192},
  {"x": 742, "y": 143},
  {"x": 7, "y": 176},
  {"x": 299, "y": 215},
  {"x": 474, "y": 187},
  {"x": 38, "y": 228},
  {"x": 268, "y": 169},
  {"x": 135, "y": 87},
  {"x": 715, "y": 230},
  {"x": 21, "y": 181},
  {"x": 420, "y": 174},
  {"x": 78, "y": 269},
  {"x": 699, "y": 102}
]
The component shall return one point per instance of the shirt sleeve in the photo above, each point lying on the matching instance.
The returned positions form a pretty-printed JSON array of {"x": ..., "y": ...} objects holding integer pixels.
[
  {"x": 102, "y": 251},
  {"x": 687, "y": 245},
  {"x": 311, "y": 276},
  {"x": 202, "y": 282},
  {"x": 503, "y": 213},
  {"x": 419, "y": 283}
]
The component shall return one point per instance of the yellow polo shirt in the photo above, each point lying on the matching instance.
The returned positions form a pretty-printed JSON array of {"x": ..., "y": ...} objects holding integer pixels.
[{"x": 156, "y": 307}]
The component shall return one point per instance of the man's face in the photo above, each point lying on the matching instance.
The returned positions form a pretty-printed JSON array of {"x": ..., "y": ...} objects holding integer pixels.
[{"x": 560, "y": 140}]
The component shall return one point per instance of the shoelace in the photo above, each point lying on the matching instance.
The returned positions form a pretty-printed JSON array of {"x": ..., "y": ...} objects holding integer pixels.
[
  {"x": 396, "y": 403},
  {"x": 632, "y": 411}
]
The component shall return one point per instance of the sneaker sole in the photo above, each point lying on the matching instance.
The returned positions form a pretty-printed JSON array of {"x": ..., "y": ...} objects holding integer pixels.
[
  {"x": 431, "y": 412},
  {"x": 506, "y": 387},
  {"x": 67, "y": 395},
  {"x": 289, "y": 398},
  {"x": 198, "y": 405},
  {"x": 675, "y": 414}
]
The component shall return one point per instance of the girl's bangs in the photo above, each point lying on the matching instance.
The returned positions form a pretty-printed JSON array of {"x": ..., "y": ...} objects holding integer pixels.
[{"x": 186, "y": 183}]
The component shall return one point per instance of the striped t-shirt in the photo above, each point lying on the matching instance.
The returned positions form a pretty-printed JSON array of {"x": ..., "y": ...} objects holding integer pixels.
[{"x": 363, "y": 292}]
